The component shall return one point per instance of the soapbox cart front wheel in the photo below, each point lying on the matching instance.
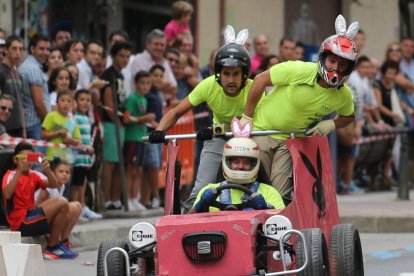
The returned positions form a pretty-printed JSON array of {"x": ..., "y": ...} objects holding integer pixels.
[
  {"x": 346, "y": 251},
  {"x": 317, "y": 252}
]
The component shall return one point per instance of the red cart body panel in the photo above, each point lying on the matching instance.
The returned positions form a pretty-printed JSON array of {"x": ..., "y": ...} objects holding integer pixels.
[{"x": 314, "y": 206}]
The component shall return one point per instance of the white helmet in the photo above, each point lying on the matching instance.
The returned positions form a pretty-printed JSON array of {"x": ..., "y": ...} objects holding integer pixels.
[{"x": 241, "y": 147}]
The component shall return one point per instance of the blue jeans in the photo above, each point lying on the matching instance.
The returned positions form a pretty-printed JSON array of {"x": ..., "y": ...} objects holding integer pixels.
[{"x": 35, "y": 132}]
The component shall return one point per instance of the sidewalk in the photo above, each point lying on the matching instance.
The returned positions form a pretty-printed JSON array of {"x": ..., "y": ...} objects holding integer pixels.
[{"x": 378, "y": 212}]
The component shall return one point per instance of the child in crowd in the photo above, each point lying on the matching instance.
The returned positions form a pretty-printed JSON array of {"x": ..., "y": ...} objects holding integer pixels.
[
  {"x": 60, "y": 80},
  {"x": 136, "y": 106},
  {"x": 153, "y": 152},
  {"x": 83, "y": 158},
  {"x": 59, "y": 127},
  {"x": 61, "y": 169},
  {"x": 19, "y": 186},
  {"x": 181, "y": 15}
]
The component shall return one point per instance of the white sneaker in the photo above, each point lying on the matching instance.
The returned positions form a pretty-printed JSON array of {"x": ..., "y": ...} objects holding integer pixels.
[
  {"x": 89, "y": 214},
  {"x": 138, "y": 206},
  {"x": 155, "y": 203},
  {"x": 131, "y": 206}
]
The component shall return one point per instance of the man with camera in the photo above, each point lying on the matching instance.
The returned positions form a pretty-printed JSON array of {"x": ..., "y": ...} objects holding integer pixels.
[{"x": 19, "y": 186}]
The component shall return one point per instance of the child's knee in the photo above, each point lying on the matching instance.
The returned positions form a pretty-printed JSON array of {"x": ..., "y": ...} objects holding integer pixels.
[
  {"x": 75, "y": 207},
  {"x": 61, "y": 203}
]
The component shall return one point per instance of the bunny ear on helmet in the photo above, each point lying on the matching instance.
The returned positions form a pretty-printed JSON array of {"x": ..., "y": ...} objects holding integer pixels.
[
  {"x": 340, "y": 25},
  {"x": 241, "y": 131},
  {"x": 352, "y": 30},
  {"x": 247, "y": 130},
  {"x": 242, "y": 37},
  {"x": 229, "y": 35},
  {"x": 236, "y": 128}
]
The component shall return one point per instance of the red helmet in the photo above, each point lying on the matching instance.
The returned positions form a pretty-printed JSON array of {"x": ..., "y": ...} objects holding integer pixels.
[{"x": 342, "y": 46}]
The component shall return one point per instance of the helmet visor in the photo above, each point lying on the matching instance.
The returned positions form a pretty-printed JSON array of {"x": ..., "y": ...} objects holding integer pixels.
[
  {"x": 237, "y": 163},
  {"x": 232, "y": 62}
]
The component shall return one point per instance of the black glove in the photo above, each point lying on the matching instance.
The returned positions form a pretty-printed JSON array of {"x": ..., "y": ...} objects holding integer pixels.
[
  {"x": 205, "y": 134},
  {"x": 156, "y": 137}
]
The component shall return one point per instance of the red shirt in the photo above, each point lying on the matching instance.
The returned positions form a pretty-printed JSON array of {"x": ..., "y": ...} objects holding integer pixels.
[{"x": 23, "y": 197}]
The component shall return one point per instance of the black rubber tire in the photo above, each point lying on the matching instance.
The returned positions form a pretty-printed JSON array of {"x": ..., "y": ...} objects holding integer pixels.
[
  {"x": 116, "y": 261},
  {"x": 317, "y": 252},
  {"x": 142, "y": 263},
  {"x": 346, "y": 251}
]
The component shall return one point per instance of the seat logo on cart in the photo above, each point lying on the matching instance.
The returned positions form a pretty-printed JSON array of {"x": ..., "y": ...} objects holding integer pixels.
[
  {"x": 139, "y": 236},
  {"x": 272, "y": 229}
]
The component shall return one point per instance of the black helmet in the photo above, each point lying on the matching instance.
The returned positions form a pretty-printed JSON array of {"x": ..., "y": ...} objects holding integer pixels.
[{"x": 232, "y": 55}]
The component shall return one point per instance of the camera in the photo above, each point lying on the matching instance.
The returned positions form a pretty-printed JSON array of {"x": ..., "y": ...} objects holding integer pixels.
[{"x": 218, "y": 129}]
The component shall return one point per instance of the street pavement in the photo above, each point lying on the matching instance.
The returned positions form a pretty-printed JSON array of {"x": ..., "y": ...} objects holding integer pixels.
[
  {"x": 388, "y": 254},
  {"x": 377, "y": 212}
]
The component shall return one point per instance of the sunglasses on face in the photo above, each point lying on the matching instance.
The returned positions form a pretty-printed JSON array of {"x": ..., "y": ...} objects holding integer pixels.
[
  {"x": 173, "y": 60},
  {"x": 4, "y": 108},
  {"x": 2, "y": 54}
]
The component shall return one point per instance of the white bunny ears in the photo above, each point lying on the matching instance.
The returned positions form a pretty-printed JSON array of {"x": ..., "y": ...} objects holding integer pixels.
[
  {"x": 241, "y": 131},
  {"x": 340, "y": 27},
  {"x": 230, "y": 36}
]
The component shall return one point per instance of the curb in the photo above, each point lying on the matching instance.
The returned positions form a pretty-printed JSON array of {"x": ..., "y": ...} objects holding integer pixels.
[{"x": 368, "y": 224}]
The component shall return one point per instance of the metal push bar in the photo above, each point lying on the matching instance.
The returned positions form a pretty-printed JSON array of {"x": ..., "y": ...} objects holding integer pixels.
[{"x": 292, "y": 134}]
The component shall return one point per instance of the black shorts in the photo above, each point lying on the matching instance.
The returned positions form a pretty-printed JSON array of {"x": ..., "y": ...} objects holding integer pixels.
[
  {"x": 79, "y": 176},
  {"x": 34, "y": 223}
]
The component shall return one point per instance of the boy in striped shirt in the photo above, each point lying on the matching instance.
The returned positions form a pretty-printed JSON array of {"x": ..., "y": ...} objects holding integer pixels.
[{"x": 83, "y": 157}]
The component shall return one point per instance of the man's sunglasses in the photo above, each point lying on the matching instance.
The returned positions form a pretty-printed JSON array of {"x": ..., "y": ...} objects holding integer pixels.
[
  {"x": 173, "y": 60},
  {"x": 4, "y": 108}
]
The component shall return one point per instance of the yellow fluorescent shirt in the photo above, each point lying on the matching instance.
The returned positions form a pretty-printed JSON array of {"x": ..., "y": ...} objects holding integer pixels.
[
  {"x": 269, "y": 193},
  {"x": 298, "y": 101},
  {"x": 224, "y": 107}
]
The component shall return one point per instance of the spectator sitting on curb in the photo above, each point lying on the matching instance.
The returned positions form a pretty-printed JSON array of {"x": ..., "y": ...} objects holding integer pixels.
[
  {"x": 61, "y": 169},
  {"x": 19, "y": 186}
]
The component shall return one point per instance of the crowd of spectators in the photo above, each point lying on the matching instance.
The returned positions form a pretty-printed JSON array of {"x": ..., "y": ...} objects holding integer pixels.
[{"x": 76, "y": 93}]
